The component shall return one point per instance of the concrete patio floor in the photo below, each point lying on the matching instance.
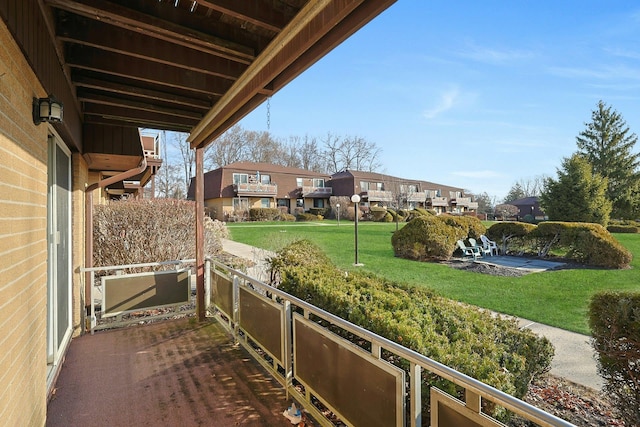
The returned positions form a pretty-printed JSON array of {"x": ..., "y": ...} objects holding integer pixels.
[
  {"x": 171, "y": 373},
  {"x": 521, "y": 263}
]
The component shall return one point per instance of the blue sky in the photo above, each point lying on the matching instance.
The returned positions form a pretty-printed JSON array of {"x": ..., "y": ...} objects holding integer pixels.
[{"x": 467, "y": 93}]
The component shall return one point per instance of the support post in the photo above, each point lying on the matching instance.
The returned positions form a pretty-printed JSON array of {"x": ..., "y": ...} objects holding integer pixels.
[{"x": 200, "y": 308}]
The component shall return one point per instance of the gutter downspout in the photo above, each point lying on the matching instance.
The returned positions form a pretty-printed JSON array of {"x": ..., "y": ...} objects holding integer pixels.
[{"x": 88, "y": 221}]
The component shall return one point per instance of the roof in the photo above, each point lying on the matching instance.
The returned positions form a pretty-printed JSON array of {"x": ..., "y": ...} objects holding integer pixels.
[
  {"x": 195, "y": 66},
  {"x": 271, "y": 168},
  {"x": 526, "y": 201},
  {"x": 380, "y": 177}
]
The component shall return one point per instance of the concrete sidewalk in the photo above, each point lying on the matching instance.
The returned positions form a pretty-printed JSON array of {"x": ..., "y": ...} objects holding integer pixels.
[{"x": 574, "y": 357}]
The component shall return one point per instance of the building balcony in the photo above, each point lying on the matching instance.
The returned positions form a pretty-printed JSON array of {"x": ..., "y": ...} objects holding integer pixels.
[
  {"x": 182, "y": 372},
  {"x": 461, "y": 201},
  {"x": 317, "y": 192},
  {"x": 256, "y": 189},
  {"x": 378, "y": 196},
  {"x": 437, "y": 201},
  {"x": 418, "y": 197}
]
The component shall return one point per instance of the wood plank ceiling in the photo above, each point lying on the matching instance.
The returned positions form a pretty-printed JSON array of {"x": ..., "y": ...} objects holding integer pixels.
[{"x": 192, "y": 66}]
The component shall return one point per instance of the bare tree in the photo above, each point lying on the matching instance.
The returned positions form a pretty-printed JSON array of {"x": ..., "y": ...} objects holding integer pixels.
[
  {"x": 331, "y": 153},
  {"x": 350, "y": 153},
  {"x": 187, "y": 158},
  {"x": 229, "y": 148}
]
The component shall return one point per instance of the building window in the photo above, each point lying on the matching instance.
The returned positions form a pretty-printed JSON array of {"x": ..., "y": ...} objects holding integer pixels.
[
  {"x": 364, "y": 186},
  {"x": 265, "y": 179},
  {"x": 265, "y": 202},
  {"x": 318, "y": 203},
  {"x": 240, "y": 178},
  {"x": 379, "y": 186},
  {"x": 299, "y": 203},
  {"x": 299, "y": 182},
  {"x": 240, "y": 204},
  {"x": 318, "y": 182}
]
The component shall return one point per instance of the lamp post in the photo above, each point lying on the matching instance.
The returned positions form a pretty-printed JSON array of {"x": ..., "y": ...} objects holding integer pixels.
[
  {"x": 338, "y": 213},
  {"x": 356, "y": 200}
]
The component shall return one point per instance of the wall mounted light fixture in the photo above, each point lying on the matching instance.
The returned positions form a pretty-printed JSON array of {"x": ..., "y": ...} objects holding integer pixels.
[{"x": 47, "y": 110}]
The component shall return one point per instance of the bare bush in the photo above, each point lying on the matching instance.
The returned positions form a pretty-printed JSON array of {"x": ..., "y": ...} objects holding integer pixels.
[{"x": 140, "y": 231}]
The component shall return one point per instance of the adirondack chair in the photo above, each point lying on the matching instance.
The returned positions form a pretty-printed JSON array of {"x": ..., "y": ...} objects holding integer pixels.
[
  {"x": 489, "y": 244},
  {"x": 481, "y": 248},
  {"x": 468, "y": 251}
]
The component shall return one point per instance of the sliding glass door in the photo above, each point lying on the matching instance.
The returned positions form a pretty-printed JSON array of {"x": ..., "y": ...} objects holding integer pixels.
[{"x": 59, "y": 250}]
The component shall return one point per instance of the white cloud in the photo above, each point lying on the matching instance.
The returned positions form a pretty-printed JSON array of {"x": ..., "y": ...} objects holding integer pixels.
[{"x": 447, "y": 100}]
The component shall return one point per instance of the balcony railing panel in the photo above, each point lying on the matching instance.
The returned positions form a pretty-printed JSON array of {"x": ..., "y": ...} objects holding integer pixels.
[
  {"x": 256, "y": 188},
  {"x": 322, "y": 358},
  {"x": 461, "y": 201},
  {"x": 438, "y": 201},
  {"x": 379, "y": 196},
  {"x": 317, "y": 191}
]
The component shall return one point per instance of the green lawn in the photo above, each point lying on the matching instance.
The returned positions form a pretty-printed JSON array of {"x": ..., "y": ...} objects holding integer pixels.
[{"x": 557, "y": 298}]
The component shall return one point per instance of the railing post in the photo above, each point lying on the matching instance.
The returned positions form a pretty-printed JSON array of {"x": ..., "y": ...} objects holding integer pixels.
[
  {"x": 288, "y": 346},
  {"x": 236, "y": 306},
  {"x": 92, "y": 319},
  {"x": 207, "y": 284},
  {"x": 472, "y": 400},
  {"x": 415, "y": 378}
]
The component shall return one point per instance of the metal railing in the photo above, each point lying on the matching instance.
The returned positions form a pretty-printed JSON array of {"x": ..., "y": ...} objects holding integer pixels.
[
  {"x": 115, "y": 295},
  {"x": 365, "y": 380},
  {"x": 297, "y": 343}
]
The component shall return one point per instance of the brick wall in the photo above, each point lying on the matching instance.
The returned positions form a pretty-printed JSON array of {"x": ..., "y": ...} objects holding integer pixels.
[{"x": 23, "y": 243}]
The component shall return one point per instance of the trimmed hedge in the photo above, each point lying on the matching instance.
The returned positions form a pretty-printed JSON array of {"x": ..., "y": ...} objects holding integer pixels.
[
  {"x": 623, "y": 229},
  {"x": 377, "y": 213},
  {"x": 308, "y": 217},
  {"x": 614, "y": 318},
  {"x": 587, "y": 243},
  {"x": 492, "y": 350},
  {"x": 263, "y": 214},
  {"x": 430, "y": 237}
]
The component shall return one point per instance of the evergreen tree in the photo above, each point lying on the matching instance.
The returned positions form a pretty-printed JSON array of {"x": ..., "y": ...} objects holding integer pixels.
[
  {"x": 577, "y": 195},
  {"x": 516, "y": 192},
  {"x": 607, "y": 144}
]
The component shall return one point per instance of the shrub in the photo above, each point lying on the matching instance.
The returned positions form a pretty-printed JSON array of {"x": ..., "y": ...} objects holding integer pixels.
[
  {"x": 350, "y": 213},
  {"x": 426, "y": 238},
  {"x": 387, "y": 217},
  {"x": 286, "y": 217},
  {"x": 614, "y": 319},
  {"x": 378, "y": 213},
  {"x": 323, "y": 212},
  {"x": 472, "y": 341},
  {"x": 308, "y": 217},
  {"x": 139, "y": 231},
  {"x": 587, "y": 243},
  {"x": 263, "y": 214},
  {"x": 506, "y": 233},
  {"x": 623, "y": 229},
  {"x": 470, "y": 225}
]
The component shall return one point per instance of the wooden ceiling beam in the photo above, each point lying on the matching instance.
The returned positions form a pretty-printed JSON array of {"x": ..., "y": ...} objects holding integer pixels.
[
  {"x": 81, "y": 80},
  {"x": 257, "y": 12},
  {"x": 119, "y": 40},
  {"x": 89, "y": 58},
  {"x": 114, "y": 14},
  {"x": 93, "y": 97},
  {"x": 132, "y": 115},
  {"x": 126, "y": 122}
]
